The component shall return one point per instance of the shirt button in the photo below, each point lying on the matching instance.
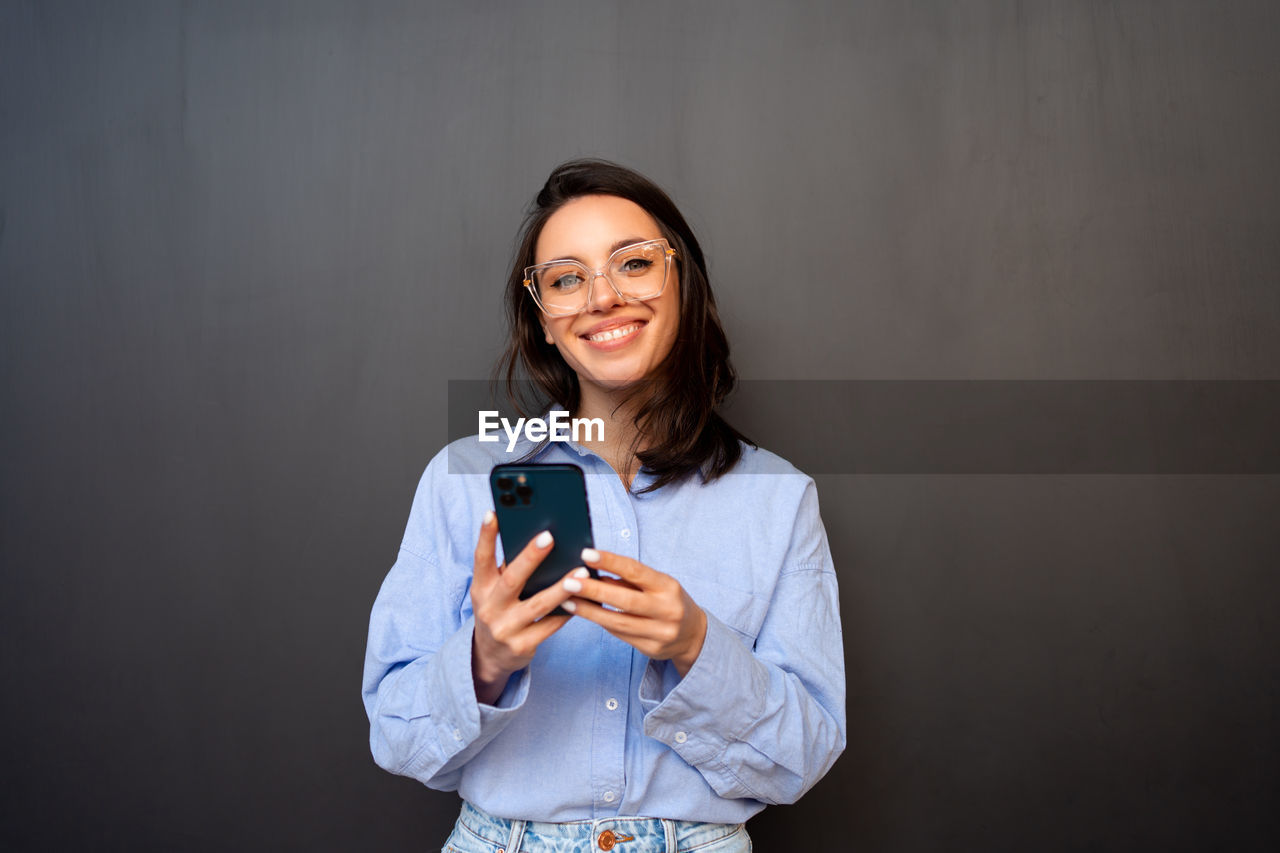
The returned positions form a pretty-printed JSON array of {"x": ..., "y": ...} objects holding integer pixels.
[
  {"x": 457, "y": 734},
  {"x": 681, "y": 737},
  {"x": 625, "y": 533},
  {"x": 608, "y": 796},
  {"x": 612, "y": 704}
]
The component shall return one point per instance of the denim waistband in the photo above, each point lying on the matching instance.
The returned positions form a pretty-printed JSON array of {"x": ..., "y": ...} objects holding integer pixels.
[{"x": 621, "y": 834}]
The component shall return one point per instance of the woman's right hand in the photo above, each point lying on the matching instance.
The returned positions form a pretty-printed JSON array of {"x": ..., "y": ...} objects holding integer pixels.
[{"x": 508, "y": 631}]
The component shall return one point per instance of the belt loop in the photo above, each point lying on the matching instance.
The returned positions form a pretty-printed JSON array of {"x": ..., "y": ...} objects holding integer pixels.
[
  {"x": 669, "y": 830},
  {"x": 517, "y": 836}
]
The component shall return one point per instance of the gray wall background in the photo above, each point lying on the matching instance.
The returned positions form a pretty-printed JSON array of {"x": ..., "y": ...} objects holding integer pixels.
[{"x": 244, "y": 246}]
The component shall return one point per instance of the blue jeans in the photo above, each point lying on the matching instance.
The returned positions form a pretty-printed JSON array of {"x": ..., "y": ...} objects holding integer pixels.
[{"x": 480, "y": 832}]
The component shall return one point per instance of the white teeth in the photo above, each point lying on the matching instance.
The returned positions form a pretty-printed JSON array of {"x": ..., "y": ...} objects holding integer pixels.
[{"x": 613, "y": 334}]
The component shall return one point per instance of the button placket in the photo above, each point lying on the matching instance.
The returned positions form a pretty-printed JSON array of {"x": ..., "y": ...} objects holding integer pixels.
[{"x": 611, "y": 512}]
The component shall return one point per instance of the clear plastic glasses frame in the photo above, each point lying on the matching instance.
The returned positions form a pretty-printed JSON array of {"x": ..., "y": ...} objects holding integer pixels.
[{"x": 625, "y": 291}]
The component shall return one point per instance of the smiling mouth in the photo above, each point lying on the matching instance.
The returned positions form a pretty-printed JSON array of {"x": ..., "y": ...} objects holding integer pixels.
[{"x": 614, "y": 334}]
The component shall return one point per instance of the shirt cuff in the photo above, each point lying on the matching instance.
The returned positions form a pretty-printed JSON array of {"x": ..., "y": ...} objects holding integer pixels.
[
  {"x": 715, "y": 702},
  {"x": 511, "y": 698},
  {"x": 462, "y": 720}
]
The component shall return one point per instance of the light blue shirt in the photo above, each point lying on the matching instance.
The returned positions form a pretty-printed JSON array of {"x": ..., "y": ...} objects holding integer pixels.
[{"x": 593, "y": 728}]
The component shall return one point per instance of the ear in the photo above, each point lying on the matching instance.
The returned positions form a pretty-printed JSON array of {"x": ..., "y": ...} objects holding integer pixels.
[{"x": 550, "y": 339}]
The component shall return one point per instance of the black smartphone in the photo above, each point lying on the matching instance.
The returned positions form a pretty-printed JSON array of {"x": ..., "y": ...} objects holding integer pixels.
[{"x": 532, "y": 498}]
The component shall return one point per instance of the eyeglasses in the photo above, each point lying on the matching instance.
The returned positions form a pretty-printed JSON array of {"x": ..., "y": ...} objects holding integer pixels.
[{"x": 636, "y": 273}]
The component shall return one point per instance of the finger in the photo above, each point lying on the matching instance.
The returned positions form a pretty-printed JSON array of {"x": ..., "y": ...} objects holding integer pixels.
[
  {"x": 538, "y": 605},
  {"x": 622, "y": 625},
  {"x": 517, "y": 571},
  {"x": 624, "y": 567},
  {"x": 628, "y": 598},
  {"x": 486, "y": 568},
  {"x": 616, "y": 582},
  {"x": 544, "y": 628}
]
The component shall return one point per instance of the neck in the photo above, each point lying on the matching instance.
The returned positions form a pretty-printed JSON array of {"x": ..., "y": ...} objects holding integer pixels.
[{"x": 620, "y": 430}]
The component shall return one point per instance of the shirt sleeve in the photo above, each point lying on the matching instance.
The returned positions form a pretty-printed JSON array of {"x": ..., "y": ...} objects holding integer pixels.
[
  {"x": 764, "y": 722},
  {"x": 425, "y": 720}
]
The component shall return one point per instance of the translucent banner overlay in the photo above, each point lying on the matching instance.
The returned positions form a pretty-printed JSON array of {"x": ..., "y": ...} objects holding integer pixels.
[{"x": 987, "y": 426}]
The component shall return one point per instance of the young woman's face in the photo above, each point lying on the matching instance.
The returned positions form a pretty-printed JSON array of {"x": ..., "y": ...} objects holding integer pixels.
[{"x": 613, "y": 343}]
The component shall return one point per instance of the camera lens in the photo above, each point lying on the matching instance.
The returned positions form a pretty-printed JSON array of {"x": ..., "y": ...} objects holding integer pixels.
[
  {"x": 524, "y": 491},
  {"x": 507, "y": 499},
  {"x": 504, "y": 483}
]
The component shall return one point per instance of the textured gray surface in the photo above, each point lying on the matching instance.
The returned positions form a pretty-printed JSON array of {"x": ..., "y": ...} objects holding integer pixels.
[{"x": 243, "y": 247}]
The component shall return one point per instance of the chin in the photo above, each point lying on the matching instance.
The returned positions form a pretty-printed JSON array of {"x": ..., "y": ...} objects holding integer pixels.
[
  {"x": 606, "y": 374},
  {"x": 614, "y": 383},
  {"x": 614, "y": 380}
]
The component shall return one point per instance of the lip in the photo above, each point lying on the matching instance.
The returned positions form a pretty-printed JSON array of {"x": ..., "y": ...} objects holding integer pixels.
[
  {"x": 611, "y": 324},
  {"x": 608, "y": 325}
]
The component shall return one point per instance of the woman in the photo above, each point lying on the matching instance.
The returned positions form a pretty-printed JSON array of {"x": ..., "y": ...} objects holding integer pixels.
[{"x": 712, "y": 683}]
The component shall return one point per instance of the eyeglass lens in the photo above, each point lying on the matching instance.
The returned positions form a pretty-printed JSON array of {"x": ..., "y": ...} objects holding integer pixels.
[{"x": 636, "y": 272}]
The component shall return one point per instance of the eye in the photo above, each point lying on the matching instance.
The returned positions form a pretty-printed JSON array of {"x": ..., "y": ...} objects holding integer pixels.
[
  {"x": 566, "y": 283},
  {"x": 636, "y": 266}
]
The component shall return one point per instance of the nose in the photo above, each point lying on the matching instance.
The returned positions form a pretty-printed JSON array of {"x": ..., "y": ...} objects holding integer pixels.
[{"x": 602, "y": 295}]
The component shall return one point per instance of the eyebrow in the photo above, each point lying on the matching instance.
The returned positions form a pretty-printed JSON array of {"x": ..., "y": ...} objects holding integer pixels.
[{"x": 625, "y": 241}]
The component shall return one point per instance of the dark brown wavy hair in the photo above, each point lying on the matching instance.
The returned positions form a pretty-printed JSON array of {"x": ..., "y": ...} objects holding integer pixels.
[{"x": 676, "y": 411}]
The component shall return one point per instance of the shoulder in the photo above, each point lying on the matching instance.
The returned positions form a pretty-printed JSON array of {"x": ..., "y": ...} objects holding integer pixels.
[
  {"x": 461, "y": 468},
  {"x": 458, "y": 476},
  {"x": 766, "y": 473},
  {"x": 774, "y": 483},
  {"x": 757, "y": 460},
  {"x": 760, "y": 481},
  {"x": 468, "y": 455},
  {"x": 451, "y": 498}
]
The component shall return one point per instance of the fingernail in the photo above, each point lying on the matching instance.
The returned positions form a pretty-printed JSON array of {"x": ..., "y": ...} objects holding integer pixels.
[
  {"x": 581, "y": 573},
  {"x": 590, "y": 555},
  {"x": 570, "y": 606},
  {"x": 543, "y": 540},
  {"x": 572, "y": 585},
  {"x": 489, "y": 518}
]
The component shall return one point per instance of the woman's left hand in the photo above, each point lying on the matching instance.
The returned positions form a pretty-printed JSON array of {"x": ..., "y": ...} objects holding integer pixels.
[{"x": 658, "y": 617}]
